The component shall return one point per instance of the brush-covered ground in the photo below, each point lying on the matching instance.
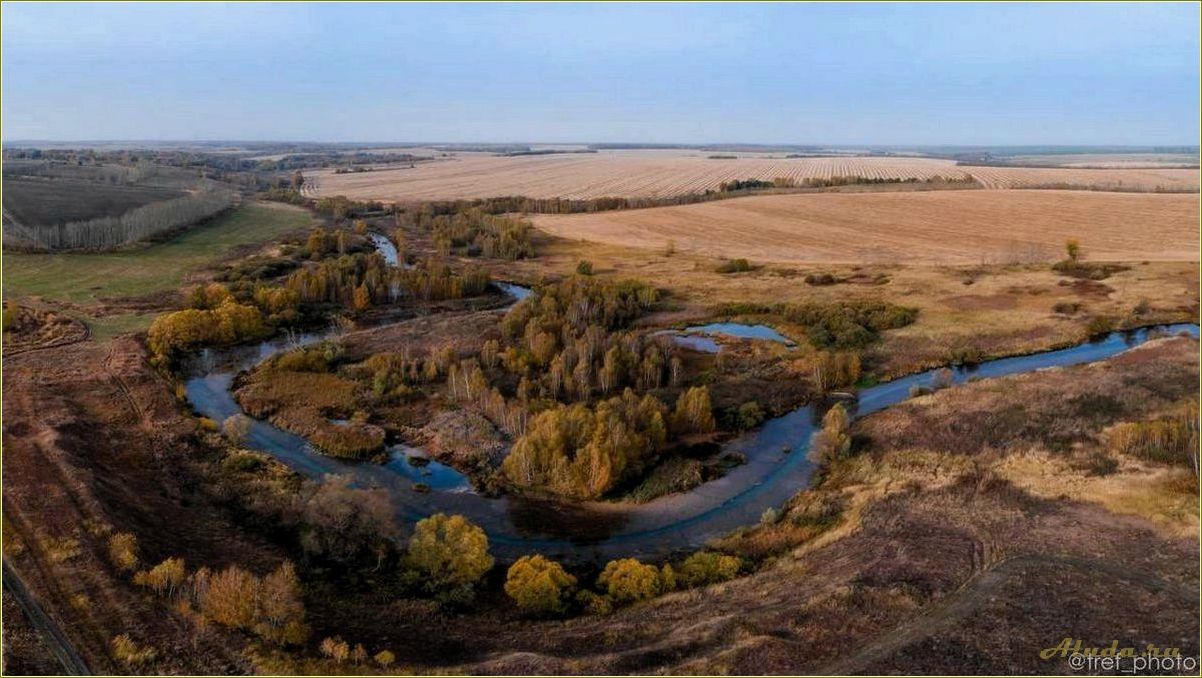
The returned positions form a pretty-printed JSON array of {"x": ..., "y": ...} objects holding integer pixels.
[
  {"x": 983, "y": 311},
  {"x": 967, "y": 539},
  {"x": 968, "y": 529}
]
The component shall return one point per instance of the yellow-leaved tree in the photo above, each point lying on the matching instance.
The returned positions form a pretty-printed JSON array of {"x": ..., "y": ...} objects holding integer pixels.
[
  {"x": 449, "y": 551},
  {"x": 627, "y": 580},
  {"x": 539, "y": 585}
]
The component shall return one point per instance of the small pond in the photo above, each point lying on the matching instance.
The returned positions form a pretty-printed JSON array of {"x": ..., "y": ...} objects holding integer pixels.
[{"x": 701, "y": 337}]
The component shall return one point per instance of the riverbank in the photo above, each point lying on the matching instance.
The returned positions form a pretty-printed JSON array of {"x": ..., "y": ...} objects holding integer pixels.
[{"x": 776, "y": 469}]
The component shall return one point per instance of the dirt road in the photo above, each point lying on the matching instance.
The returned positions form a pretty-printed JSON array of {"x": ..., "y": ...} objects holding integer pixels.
[{"x": 52, "y": 635}]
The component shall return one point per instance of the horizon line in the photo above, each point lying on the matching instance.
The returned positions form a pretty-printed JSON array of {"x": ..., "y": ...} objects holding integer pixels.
[{"x": 782, "y": 144}]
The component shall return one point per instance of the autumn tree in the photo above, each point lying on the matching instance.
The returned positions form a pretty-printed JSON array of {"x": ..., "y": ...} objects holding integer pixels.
[
  {"x": 385, "y": 658},
  {"x": 336, "y": 648},
  {"x": 281, "y": 611},
  {"x": 229, "y": 323},
  {"x": 584, "y": 451},
  {"x": 707, "y": 567},
  {"x": 627, "y": 580},
  {"x": 230, "y": 598},
  {"x": 449, "y": 551},
  {"x": 539, "y": 585},
  {"x": 345, "y": 524},
  {"x": 1072, "y": 248},
  {"x": 236, "y": 427},
  {"x": 693, "y": 413},
  {"x": 362, "y": 298},
  {"x": 123, "y": 550},
  {"x": 127, "y": 651},
  {"x": 835, "y": 369},
  {"x": 164, "y": 578},
  {"x": 833, "y": 442},
  {"x": 315, "y": 245}
]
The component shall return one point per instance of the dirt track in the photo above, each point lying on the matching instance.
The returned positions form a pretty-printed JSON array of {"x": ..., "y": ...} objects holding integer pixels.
[
  {"x": 94, "y": 442},
  {"x": 57, "y": 641}
]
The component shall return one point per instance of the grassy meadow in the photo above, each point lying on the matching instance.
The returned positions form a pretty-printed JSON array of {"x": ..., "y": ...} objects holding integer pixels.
[{"x": 87, "y": 280}]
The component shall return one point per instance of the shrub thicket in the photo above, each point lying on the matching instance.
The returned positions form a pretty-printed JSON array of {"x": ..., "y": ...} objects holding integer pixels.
[
  {"x": 449, "y": 551},
  {"x": 539, "y": 585},
  {"x": 627, "y": 580}
]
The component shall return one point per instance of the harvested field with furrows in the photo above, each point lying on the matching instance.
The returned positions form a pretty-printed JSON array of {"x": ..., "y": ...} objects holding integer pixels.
[
  {"x": 670, "y": 173},
  {"x": 937, "y": 227}
]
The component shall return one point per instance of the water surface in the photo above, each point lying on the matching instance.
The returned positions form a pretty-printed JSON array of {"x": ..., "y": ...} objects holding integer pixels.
[
  {"x": 776, "y": 468},
  {"x": 700, "y": 337}
]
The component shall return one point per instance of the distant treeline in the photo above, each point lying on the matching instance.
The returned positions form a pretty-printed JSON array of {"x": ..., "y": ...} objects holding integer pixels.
[
  {"x": 241, "y": 162},
  {"x": 117, "y": 175},
  {"x": 548, "y": 151},
  {"x": 137, "y": 224},
  {"x": 1107, "y": 188},
  {"x": 1030, "y": 164},
  {"x": 730, "y": 189},
  {"x": 341, "y": 207}
]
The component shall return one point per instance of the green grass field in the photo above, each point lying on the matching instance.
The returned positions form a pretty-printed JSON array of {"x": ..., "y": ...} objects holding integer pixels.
[
  {"x": 84, "y": 278},
  {"x": 87, "y": 278}
]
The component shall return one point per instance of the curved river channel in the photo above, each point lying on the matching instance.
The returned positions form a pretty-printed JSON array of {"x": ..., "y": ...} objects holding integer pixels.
[{"x": 776, "y": 468}]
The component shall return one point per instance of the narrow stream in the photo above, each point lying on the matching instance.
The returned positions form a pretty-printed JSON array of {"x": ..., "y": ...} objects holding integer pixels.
[
  {"x": 389, "y": 251},
  {"x": 776, "y": 467}
]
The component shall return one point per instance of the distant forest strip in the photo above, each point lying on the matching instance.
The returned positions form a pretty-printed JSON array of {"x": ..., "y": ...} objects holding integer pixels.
[
  {"x": 1053, "y": 165},
  {"x": 547, "y": 151},
  {"x": 731, "y": 189},
  {"x": 342, "y": 207},
  {"x": 1107, "y": 188},
  {"x": 137, "y": 224}
]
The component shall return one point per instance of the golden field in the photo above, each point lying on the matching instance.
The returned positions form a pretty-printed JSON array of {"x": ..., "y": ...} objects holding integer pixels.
[
  {"x": 668, "y": 173},
  {"x": 916, "y": 227}
]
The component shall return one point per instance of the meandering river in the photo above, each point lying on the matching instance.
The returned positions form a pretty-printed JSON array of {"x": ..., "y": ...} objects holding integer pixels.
[{"x": 776, "y": 468}]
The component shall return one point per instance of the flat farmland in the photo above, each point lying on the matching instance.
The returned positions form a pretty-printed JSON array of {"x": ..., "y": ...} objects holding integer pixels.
[
  {"x": 1109, "y": 160},
  {"x": 668, "y": 173},
  {"x": 39, "y": 202},
  {"x": 936, "y": 227}
]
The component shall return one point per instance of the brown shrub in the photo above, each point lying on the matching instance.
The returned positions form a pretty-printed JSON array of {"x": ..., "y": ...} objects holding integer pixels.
[{"x": 123, "y": 550}]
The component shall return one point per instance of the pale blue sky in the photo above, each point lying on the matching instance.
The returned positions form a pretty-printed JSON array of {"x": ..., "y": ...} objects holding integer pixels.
[{"x": 756, "y": 73}]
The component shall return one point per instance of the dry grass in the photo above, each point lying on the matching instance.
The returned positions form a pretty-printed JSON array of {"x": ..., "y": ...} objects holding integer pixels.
[
  {"x": 932, "y": 227},
  {"x": 1042, "y": 432},
  {"x": 305, "y": 402},
  {"x": 269, "y": 391},
  {"x": 1151, "y": 491},
  {"x": 665, "y": 173},
  {"x": 37, "y": 328},
  {"x": 998, "y": 309}
]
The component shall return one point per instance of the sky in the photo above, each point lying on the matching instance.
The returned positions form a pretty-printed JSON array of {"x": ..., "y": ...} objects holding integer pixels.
[{"x": 930, "y": 74}]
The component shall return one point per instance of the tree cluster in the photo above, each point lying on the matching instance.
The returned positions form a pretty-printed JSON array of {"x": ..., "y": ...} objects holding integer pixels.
[
  {"x": 229, "y": 323},
  {"x": 833, "y": 442},
  {"x": 270, "y": 606},
  {"x": 475, "y": 233},
  {"x": 137, "y": 224},
  {"x": 364, "y": 280},
  {"x": 846, "y": 324},
  {"x": 586, "y": 451}
]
